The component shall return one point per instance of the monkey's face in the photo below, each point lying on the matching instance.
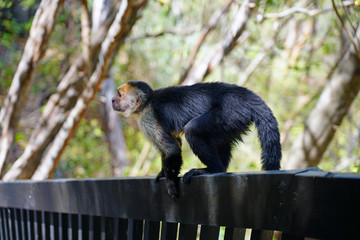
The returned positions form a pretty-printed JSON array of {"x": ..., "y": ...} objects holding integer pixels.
[{"x": 128, "y": 100}]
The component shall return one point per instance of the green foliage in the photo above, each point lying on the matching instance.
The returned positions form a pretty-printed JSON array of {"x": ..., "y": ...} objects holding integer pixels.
[
  {"x": 5, "y": 4},
  {"x": 21, "y": 139},
  {"x": 13, "y": 33},
  {"x": 87, "y": 154},
  {"x": 28, "y": 3},
  {"x": 295, "y": 66}
]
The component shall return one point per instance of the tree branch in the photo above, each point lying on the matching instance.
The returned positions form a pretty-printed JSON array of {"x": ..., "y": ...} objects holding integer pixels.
[
  {"x": 203, "y": 67},
  {"x": 85, "y": 35},
  {"x": 183, "y": 32},
  {"x": 42, "y": 26},
  {"x": 213, "y": 21},
  {"x": 350, "y": 37},
  {"x": 255, "y": 63},
  {"x": 290, "y": 11}
]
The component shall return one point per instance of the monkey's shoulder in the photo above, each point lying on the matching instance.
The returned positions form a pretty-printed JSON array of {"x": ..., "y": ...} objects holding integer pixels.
[{"x": 148, "y": 123}]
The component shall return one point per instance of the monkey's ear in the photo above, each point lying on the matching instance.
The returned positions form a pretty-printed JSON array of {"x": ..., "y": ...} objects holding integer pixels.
[{"x": 139, "y": 101}]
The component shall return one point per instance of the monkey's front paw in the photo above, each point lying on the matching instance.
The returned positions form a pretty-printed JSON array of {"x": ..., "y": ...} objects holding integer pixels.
[
  {"x": 160, "y": 175},
  {"x": 172, "y": 189},
  {"x": 194, "y": 172}
]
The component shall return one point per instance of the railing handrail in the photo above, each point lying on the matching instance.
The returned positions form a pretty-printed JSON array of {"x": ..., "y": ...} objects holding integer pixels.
[{"x": 307, "y": 202}]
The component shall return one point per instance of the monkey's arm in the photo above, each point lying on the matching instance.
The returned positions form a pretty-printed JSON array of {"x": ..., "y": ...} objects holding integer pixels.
[
  {"x": 161, "y": 174},
  {"x": 170, "y": 149}
]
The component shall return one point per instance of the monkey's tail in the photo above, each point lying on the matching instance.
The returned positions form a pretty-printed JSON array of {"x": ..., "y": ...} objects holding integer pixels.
[{"x": 269, "y": 136}]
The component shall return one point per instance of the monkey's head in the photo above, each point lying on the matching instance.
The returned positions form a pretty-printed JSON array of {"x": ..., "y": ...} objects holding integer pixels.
[{"x": 132, "y": 97}]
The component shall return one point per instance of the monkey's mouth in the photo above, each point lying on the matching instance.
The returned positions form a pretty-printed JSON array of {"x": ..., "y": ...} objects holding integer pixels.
[
  {"x": 116, "y": 108},
  {"x": 119, "y": 108},
  {"x": 115, "y": 104}
]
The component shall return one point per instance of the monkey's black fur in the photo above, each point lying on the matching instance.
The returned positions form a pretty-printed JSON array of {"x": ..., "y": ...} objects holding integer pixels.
[{"x": 213, "y": 117}]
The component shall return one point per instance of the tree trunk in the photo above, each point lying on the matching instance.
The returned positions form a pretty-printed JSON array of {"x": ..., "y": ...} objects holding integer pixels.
[
  {"x": 125, "y": 19},
  {"x": 58, "y": 107},
  {"x": 110, "y": 119},
  {"x": 202, "y": 68},
  {"x": 113, "y": 130},
  {"x": 326, "y": 117},
  {"x": 43, "y": 24}
]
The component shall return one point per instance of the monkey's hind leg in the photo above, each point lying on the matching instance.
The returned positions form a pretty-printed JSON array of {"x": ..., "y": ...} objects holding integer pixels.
[
  {"x": 199, "y": 133},
  {"x": 160, "y": 175},
  {"x": 224, "y": 152}
]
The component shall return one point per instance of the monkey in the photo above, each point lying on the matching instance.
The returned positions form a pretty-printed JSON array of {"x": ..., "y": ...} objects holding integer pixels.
[{"x": 212, "y": 116}]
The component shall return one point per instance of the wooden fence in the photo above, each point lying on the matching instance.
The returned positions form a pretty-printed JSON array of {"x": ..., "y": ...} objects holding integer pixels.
[{"x": 297, "y": 204}]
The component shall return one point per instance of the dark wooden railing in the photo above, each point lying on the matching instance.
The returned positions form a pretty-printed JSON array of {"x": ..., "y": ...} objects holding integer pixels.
[{"x": 298, "y": 204}]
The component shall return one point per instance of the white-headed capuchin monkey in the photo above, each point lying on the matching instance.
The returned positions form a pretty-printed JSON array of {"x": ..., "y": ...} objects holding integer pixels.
[{"x": 213, "y": 116}]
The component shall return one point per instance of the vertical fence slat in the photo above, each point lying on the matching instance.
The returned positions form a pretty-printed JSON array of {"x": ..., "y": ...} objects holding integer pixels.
[
  {"x": 209, "y": 232},
  {"x": 188, "y": 231},
  {"x": 1, "y": 225},
  {"x": 68, "y": 226},
  {"x": 36, "y": 225},
  {"x": 5, "y": 222},
  {"x": 109, "y": 228},
  {"x": 22, "y": 223},
  {"x": 39, "y": 225},
  {"x": 24, "y": 216},
  {"x": 84, "y": 224},
  {"x": 168, "y": 231},
  {"x": 47, "y": 225},
  {"x": 28, "y": 224},
  {"x": 91, "y": 227},
  {"x": 116, "y": 229},
  {"x": 58, "y": 226},
  {"x": 97, "y": 227},
  {"x": 232, "y": 233},
  {"x": 51, "y": 225},
  {"x": 17, "y": 223},
  {"x": 135, "y": 229},
  {"x": 79, "y": 227},
  {"x": 10, "y": 223},
  {"x": 33, "y": 225},
  {"x": 43, "y": 225},
  {"x": 122, "y": 228},
  {"x": 261, "y": 234},
  {"x": 72, "y": 228},
  {"x": 151, "y": 230},
  {"x": 102, "y": 228},
  {"x": 75, "y": 226},
  {"x": 61, "y": 226}
]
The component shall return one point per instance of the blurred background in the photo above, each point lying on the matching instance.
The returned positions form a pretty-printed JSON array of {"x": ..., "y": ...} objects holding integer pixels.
[{"x": 301, "y": 57}]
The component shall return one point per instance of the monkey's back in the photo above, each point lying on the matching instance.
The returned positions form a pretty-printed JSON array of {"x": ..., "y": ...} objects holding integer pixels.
[{"x": 175, "y": 106}]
